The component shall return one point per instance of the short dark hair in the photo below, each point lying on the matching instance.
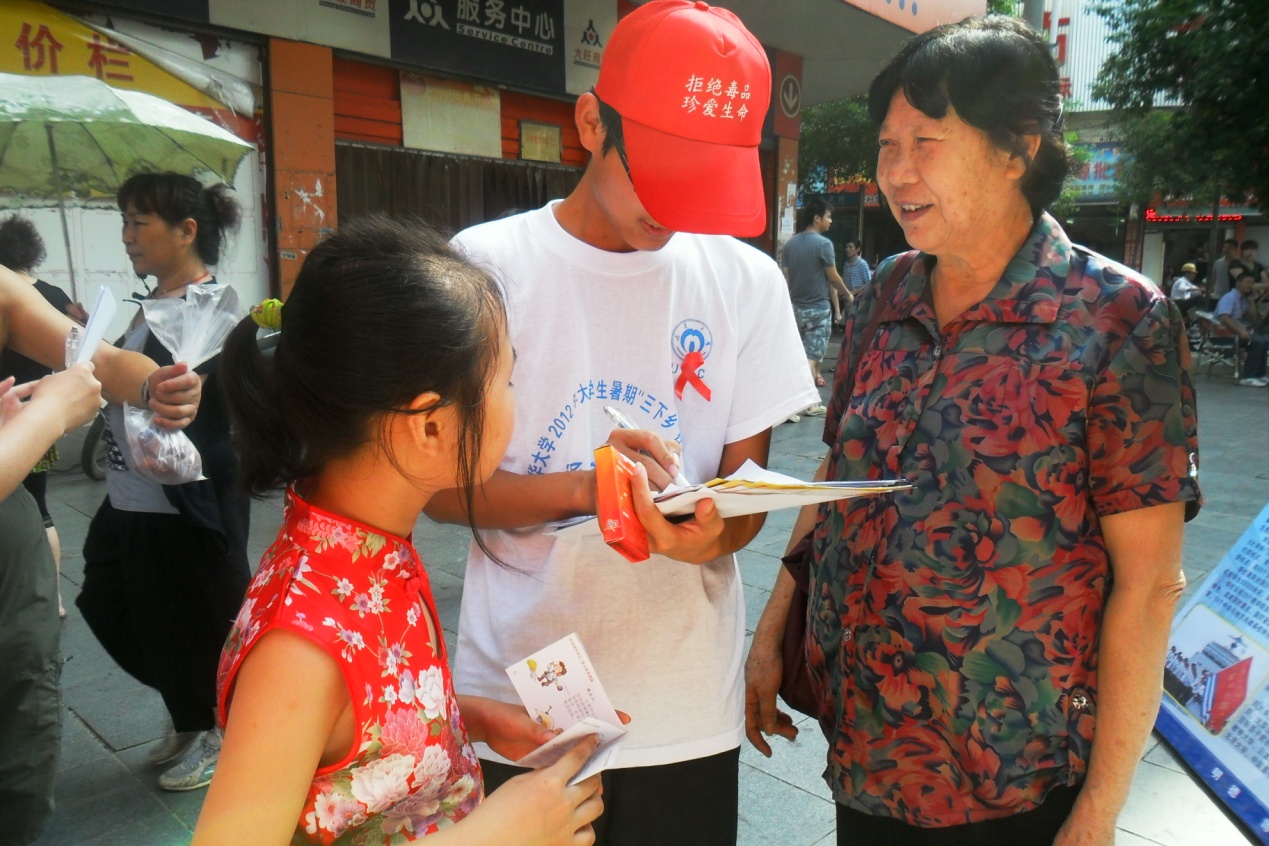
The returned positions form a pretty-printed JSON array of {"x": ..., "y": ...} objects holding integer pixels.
[
  {"x": 1249, "y": 244},
  {"x": 853, "y": 242},
  {"x": 21, "y": 247},
  {"x": 613, "y": 134},
  {"x": 382, "y": 311},
  {"x": 176, "y": 198},
  {"x": 1001, "y": 78},
  {"x": 1230, "y": 242},
  {"x": 812, "y": 208}
]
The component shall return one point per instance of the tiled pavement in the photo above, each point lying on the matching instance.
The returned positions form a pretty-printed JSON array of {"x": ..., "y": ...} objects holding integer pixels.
[{"x": 105, "y": 794}]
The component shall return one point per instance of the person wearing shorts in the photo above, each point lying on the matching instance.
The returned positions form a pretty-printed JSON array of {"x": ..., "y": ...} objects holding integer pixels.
[{"x": 811, "y": 272}]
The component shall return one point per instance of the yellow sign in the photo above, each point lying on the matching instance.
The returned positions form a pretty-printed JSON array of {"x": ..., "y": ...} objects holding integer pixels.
[
  {"x": 40, "y": 41},
  {"x": 539, "y": 142}
]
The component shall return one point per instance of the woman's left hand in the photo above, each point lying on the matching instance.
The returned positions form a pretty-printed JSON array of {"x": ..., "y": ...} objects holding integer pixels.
[{"x": 175, "y": 392}]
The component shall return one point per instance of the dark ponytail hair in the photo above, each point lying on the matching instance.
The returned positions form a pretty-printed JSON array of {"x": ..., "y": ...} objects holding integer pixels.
[
  {"x": 382, "y": 311},
  {"x": 176, "y": 198}
]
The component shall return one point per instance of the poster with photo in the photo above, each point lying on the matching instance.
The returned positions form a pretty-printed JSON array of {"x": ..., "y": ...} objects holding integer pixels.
[{"x": 1216, "y": 680}]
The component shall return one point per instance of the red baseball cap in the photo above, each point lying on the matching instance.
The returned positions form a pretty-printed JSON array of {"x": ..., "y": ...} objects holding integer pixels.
[{"x": 692, "y": 86}]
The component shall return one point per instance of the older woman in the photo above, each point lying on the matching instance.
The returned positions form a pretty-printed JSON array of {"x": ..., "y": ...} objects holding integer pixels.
[{"x": 967, "y": 637}]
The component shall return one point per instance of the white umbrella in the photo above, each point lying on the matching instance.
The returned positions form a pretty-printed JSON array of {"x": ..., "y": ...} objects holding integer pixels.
[{"x": 76, "y": 135}]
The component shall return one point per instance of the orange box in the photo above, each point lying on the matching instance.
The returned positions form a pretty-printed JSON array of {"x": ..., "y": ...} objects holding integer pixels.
[{"x": 621, "y": 528}]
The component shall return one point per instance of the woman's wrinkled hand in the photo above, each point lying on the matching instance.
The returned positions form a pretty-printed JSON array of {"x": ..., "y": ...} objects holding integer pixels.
[{"x": 764, "y": 671}]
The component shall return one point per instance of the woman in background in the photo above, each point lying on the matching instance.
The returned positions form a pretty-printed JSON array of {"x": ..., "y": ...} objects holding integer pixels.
[
  {"x": 165, "y": 566},
  {"x": 22, "y": 250}
]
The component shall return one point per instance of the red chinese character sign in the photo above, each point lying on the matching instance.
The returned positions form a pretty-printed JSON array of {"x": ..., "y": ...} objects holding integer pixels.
[
  {"x": 1215, "y": 709},
  {"x": 37, "y": 40}
]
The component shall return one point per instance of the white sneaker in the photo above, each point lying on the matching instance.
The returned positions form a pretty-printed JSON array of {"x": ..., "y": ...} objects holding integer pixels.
[
  {"x": 173, "y": 746},
  {"x": 792, "y": 418},
  {"x": 815, "y": 411},
  {"x": 1253, "y": 382},
  {"x": 196, "y": 768}
]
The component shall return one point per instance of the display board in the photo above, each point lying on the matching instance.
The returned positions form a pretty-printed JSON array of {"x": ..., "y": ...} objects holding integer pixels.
[{"x": 1215, "y": 710}]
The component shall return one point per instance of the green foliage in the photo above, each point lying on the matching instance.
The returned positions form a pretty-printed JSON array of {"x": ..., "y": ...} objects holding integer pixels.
[
  {"x": 1066, "y": 203},
  {"x": 839, "y": 137},
  {"x": 1002, "y": 7},
  {"x": 1211, "y": 56}
]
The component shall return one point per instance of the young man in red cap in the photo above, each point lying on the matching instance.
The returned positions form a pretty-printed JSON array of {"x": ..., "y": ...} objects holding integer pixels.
[{"x": 612, "y": 302}]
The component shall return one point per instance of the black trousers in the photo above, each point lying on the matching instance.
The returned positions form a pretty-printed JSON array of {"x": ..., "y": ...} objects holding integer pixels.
[
  {"x": 692, "y": 803},
  {"x": 161, "y": 595},
  {"x": 1038, "y": 826}
]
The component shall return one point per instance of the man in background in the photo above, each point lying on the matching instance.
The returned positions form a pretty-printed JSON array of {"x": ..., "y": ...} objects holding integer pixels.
[
  {"x": 855, "y": 271},
  {"x": 1185, "y": 292},
  {"x": 810, "y": 269},
  {"x": 1218, "y": 279}
]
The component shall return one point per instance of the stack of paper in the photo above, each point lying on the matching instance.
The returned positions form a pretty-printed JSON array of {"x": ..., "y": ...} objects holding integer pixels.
[{"x": 750, "y": 490}]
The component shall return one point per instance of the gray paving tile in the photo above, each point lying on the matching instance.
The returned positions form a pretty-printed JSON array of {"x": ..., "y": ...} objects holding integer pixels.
[
  {"x": 1161, "y": 755},
  {"x": 755, "y": 601},
  {"x": 99, "y": 798},
  {"x": 79, "y": 745},
  {"x": 758, "y": 569},
  {"x": 160, "y": 831},
  {"x": 799, "y": 763},
  {"x": 121, "y": 720},
  {"x": 1171, "y": 808},
  {"x": 772, "y": 812}
]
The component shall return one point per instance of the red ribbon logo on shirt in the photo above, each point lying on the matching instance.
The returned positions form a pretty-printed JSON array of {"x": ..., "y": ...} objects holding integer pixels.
[{"x": 692, "y": 362}]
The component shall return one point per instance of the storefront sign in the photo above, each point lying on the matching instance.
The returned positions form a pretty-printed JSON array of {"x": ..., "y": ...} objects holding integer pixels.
[
  {"x": 1216, "y": 680},
  {"x": 450, "y": 116},
  {"x": 40, "y": 41},
  {"x": 587, "y": 26},
  {"x": 540, "y": 142},
  {"x": 1094, "y": 181},
  {"x": 357, "y": 25},
  {"x": 518, "y": 42}
]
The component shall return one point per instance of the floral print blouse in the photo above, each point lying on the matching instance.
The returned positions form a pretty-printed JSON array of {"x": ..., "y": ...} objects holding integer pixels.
[
  {"x": 364, "y": 598},
  {"x": 953, "y": 630}
]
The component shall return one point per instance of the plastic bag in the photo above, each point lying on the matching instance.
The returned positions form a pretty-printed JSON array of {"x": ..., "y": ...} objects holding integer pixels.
[{"x": 193, "y": 329}]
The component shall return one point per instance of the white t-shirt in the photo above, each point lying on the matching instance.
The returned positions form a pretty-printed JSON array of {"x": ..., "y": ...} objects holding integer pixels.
[
  {"x": 1183, "y": 289},
  {"x": 592, "y": 328},
  {"x": 127, "y": 490}
]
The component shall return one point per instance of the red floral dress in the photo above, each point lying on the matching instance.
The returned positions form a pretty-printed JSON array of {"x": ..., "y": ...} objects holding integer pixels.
[
  {"x": 364, "y": 598},
  {"x": 954, "y": 629}
]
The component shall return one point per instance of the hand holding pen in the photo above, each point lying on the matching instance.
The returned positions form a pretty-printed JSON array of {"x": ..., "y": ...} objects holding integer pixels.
[{"x": 672, "y": 467}]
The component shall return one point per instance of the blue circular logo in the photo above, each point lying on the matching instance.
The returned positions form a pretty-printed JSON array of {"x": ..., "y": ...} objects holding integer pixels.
[{"x": 691, "y": 336}]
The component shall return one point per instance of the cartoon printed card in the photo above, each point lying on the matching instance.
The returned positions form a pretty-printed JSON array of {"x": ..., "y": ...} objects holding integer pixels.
[{"x": 560, "y": 690}]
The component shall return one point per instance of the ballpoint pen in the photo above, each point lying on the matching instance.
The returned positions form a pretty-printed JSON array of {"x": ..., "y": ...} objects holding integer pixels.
[{"x": 624, "y": 422}]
